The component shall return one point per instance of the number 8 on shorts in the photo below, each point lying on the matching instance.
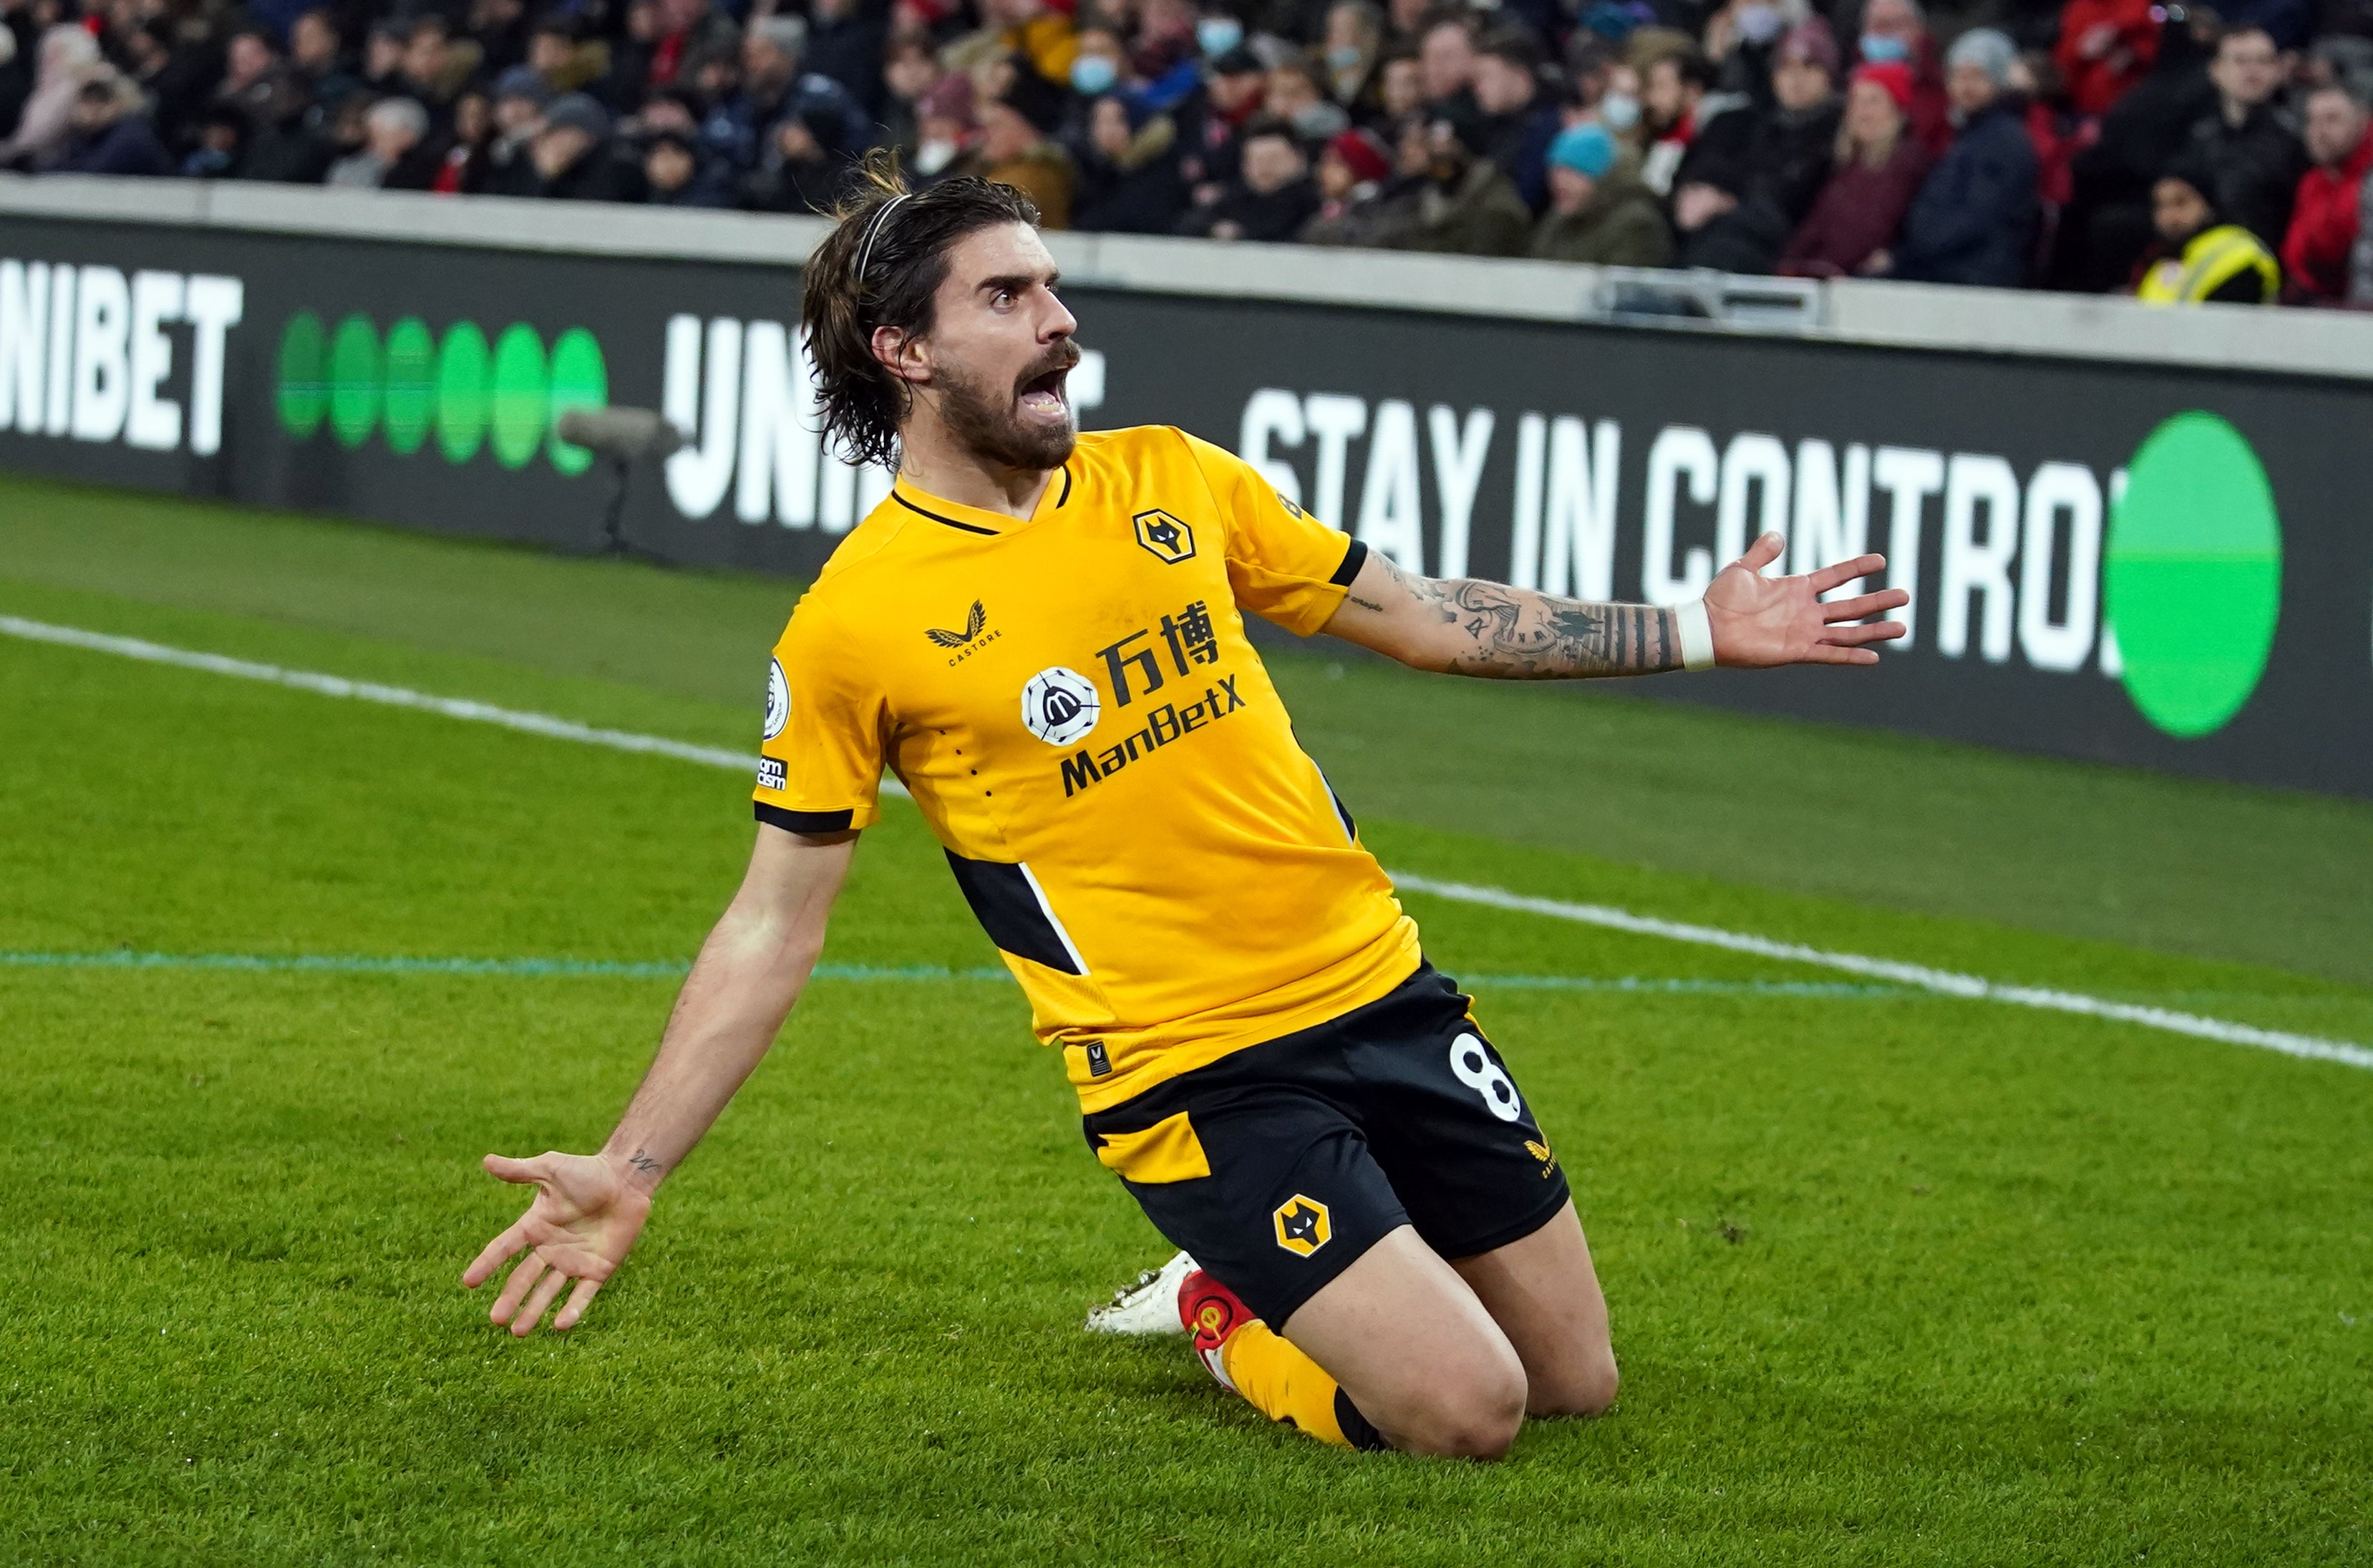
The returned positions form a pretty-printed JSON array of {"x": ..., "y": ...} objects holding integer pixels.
[{"x": 1474, "y": 1067}]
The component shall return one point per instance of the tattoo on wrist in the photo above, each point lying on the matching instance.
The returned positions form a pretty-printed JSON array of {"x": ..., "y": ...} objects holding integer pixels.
[
  {"x": 647, "y": 1166},
  {"x": 1519, "y": 635}
]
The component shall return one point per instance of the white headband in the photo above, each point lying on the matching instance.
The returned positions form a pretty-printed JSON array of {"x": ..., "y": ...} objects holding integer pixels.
[{"x": 873, "y": 232}]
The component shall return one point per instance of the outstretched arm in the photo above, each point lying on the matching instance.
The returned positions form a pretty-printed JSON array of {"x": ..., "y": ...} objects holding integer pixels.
[
  {"x": 1467, "y": 627},
  {"x": 589, "y": 1208}
]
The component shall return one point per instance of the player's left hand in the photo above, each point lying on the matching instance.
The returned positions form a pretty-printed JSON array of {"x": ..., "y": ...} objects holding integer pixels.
[
  {"x": 580, "y": 1227},
  {"x": 1760, "y": 622}
]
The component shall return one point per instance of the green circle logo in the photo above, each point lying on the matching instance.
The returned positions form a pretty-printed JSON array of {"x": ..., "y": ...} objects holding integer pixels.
[
  {"x": 304, "y": 395},
  {"x": 409, "y": 394},
  {"x": 579, "y": 380},
  {"x": 462, "y": 370},
  {"x": 2193, "y": 575},
  {"x": 520, "y": 394},
  {"x": 353, "y": 381}
]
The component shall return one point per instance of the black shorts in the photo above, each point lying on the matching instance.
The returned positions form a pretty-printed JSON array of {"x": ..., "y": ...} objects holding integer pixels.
[{"x": 1278, "y": 1165}]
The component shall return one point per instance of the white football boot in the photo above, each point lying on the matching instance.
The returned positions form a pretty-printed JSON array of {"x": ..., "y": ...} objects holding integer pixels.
[{"x": 1148, "y": 1306}]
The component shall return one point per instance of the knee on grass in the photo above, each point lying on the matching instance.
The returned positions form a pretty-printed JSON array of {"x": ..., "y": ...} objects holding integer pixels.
[
  {"x": 1582, "y": 1385},
  {"x": 1476, "y": 1418}
]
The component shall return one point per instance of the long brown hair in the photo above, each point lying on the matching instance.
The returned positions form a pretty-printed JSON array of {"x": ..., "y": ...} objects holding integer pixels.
[{"x": 880, "y": 267}]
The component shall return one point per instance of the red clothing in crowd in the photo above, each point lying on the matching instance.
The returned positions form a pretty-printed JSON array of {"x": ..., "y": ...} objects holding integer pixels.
[
  {"x": 2054, "y": 152},
  {"x": 1857, "y": 213},
  {"x": 2118, "y": 57},
  {"x": 1932, "y": 112},
  {"x": 2323, "y": 225}
]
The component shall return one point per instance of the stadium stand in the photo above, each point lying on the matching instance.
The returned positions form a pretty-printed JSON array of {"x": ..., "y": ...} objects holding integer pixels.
[{"x": 2102, "y": 145}]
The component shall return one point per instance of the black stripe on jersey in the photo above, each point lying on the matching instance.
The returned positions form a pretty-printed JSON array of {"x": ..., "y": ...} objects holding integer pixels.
[
  {"x": 803, "y": 821},
  {"x": 1067, "y": 489},
  {"x": 1006, "y": 908},
  {"x": 1353, "y": 559},
  {"x": 968, "y": 527}
]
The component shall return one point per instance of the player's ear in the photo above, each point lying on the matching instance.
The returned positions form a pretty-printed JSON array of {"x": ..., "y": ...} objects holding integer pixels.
[{"x": 902, "y": 353}]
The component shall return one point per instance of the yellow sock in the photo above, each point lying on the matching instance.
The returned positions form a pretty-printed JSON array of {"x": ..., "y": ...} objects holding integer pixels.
[{"x": 1285, "y": 1385}]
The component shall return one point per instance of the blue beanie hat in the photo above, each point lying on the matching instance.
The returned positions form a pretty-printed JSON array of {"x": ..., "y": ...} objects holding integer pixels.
[{"x": 1586, "y": 149}]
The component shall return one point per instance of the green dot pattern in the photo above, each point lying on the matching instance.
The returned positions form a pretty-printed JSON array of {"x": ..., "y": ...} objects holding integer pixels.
[
  {"x": 353, "y": 381},
  {"x": 304, "y": 394},
  {"x": 469, "y": 394},
  {"x": 463, "y": 369},
  {"x": 579, "y": 380},
  {"x": 408, "y": 395},
  {"x": 520, "y": 394},
  {"x": 2193, "y": 574}
]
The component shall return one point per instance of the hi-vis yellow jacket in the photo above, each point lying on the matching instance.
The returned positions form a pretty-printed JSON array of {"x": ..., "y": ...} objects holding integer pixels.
[{"x": 2225, "y": 264}]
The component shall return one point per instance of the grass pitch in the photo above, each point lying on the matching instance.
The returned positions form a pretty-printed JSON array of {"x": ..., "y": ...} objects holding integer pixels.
[{"x": 1895, "y": 1278}]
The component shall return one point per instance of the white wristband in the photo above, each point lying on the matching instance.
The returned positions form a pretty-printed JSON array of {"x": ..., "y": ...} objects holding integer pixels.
[{"x": 1697, "y": 634}]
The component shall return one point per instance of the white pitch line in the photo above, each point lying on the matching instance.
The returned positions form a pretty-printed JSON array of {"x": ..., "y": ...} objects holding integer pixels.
[
  {"x": 1944, "y": 981},
  {"x": 393, "y": 696}
]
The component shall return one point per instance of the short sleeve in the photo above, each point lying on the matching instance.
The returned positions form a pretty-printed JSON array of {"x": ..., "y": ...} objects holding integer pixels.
[
  {"x": 1283, "y": 563},
  {"x": 820, "y": 759}
]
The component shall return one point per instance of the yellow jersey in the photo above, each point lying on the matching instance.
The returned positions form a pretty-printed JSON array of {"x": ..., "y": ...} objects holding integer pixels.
[{"x": 1072, "y": 701}]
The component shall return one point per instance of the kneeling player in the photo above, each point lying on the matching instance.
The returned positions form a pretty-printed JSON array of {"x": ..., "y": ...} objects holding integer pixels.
[{"x": 1040, "y": 634}]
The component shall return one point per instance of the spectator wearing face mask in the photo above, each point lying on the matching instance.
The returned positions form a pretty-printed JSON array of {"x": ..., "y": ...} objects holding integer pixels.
[
  {"x": 1296, "y": 94},
  {"x": 1466, "y": 207},
  {"x": 1100, "y": 67},
  {"x": 2105, "y": 49},
  {"x": 945, "y": 125},
  {"x": 2246, "y": 146},
  {"x": 1515, "y": 120},
  {"x": 2199, "y": 258},
  {"x": 1879, "y": 166},
  {"x": 1740, "y": 40},
  {"x": 1270, "y": 198},
  {"x": 1599, "y": 212},
  {"x": 2326, "y": 214},
  {"x": 1974, "y": 219},
  {"x": 1349, "y": 50},
  {"x": 1128, "y": 179},
  {"x": 1896, "y": 32}
]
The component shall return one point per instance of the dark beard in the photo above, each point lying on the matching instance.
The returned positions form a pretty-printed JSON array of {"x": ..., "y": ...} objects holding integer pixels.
[{"x": 985, "y": 422}]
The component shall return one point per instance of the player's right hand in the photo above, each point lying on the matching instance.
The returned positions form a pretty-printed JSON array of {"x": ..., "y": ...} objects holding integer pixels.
[{"x": 582, "y": 1224}]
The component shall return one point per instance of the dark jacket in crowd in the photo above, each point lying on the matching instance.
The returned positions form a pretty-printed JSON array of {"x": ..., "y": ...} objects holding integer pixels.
[
  {"x": 1857, "y": 213},
  {"x": 1974, "y": 219},
  {"x": 1276, "y": 217},
  {"x": 2105, "y": 227},
  {"x": 1141, "y": 191},
  {"x": 128, "y": 147},
  {"x": 1779, "y": 176},
  {"x": 601, "y": 175},
  {"x": 1379, "y": 217},
  {"x": 850, "y": 48},
  {"x": 1479, "y": 213},
  {"x": 1622, "y": 225},
  {"x": 2256, "y": 165},
  {"x": 1519, "y": 142}
]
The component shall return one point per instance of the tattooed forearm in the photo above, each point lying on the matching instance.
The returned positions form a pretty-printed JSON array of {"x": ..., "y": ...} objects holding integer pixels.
[
  {"x": 1517, "y": 634},
  {"x": 647, "y": 1166}
]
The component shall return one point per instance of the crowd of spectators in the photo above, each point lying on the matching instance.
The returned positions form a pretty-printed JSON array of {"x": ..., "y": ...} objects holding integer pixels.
[{"x": 2176, "y": 152}]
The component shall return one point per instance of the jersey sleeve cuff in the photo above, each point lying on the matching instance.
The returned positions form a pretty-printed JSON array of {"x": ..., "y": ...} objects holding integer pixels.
[
  {"x": 804, "y": 821},
  {"x": 1353, "y": 559}
]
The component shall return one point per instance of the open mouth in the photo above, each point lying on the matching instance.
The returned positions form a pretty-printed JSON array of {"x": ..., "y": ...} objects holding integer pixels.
[{"x": 1043, "y": 394}]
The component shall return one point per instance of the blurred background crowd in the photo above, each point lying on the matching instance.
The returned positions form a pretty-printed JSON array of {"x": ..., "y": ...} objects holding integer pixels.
[{"x": 2102, "y": 145}]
